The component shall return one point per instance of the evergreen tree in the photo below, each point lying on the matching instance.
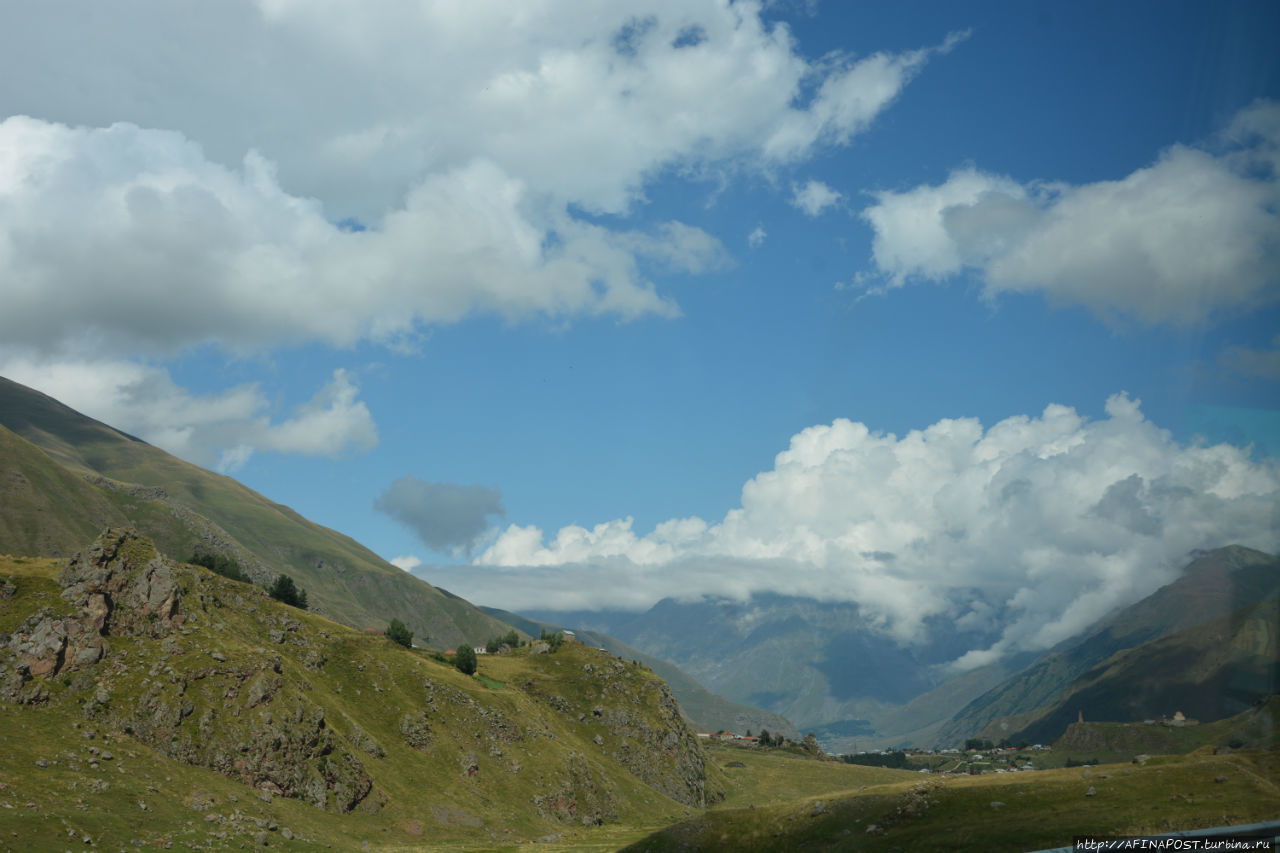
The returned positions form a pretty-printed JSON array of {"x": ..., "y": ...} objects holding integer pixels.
[
  {"x": 398, "y": 632},
  {"x": 465, "y": 660},
  {"x": 284, "y": 590}
]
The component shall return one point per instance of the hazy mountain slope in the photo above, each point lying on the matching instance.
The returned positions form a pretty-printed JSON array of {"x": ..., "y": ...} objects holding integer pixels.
[
  {"x": 134, "y": 680},
  {"x": 820, "y": 664},
  {"x": 184, "y": 508},
  {"x": 1214, "y": 584},
  {"x": 707, "y": 711},
  {"x": 1209, "y": 672},
  {"x": 917, "y": 722}
]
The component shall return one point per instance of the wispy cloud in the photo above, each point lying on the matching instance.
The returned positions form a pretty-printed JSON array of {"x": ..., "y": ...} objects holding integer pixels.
[
  {"x": 1248, "y": 361},
  {"x": 813, "y": 197}
]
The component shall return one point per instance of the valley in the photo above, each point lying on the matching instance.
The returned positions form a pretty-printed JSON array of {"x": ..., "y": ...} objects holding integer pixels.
[{"x": 155, "y": 704}]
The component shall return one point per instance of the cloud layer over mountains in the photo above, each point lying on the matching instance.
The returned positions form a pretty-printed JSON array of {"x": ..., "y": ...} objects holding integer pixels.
[{"x": 1035, "y": 525}]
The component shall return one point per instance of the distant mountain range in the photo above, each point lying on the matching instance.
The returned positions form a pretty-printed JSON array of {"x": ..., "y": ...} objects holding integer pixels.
[
  {"x": 712, "y": 712},
  {"x": 822, "y": 666}
]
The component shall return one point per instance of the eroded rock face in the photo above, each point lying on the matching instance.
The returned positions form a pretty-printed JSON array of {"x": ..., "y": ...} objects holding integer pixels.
[
  {"x": 120, "y": 585},
  {"x": 123, "y": 585}
]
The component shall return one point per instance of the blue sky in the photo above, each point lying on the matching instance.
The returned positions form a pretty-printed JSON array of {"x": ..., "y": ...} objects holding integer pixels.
[{"x": 618, "y": 259}]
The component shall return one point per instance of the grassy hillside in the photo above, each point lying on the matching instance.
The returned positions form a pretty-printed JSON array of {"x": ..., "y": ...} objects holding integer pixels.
[
  {"x": 66, "y": 476},
  {"x": 1008, "y": 812},
  {"x": 1252, "y": 729},
  {"x": 151, "y": 702},
  {"x": 47, "y": 508},
  {"x": 1213, "y": 585},
  {"x": 707, "y": 711}
]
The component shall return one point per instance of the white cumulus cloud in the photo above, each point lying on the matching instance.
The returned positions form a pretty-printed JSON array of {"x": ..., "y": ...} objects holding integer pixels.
[
  {"x": 162, "y": 211},
  {"x": 1049, "y": 522},
  {"x": 1175, "y": 242}
]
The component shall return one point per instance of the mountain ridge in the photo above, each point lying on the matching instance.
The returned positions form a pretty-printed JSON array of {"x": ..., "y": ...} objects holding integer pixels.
[
  {"x": 1212, "y": 585},
  {"x": 104, "y": 476}
]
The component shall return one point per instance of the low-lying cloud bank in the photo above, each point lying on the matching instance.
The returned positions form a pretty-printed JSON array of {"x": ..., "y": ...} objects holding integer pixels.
[{"x": 1038, "y": 525}]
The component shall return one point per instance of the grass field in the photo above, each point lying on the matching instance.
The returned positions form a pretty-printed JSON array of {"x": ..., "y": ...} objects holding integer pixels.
[{"x": 1013, "y": 812}]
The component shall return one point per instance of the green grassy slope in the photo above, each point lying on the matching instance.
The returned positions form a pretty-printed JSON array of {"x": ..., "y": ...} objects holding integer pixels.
[
  {"x": 47, "y": 509},
  {"x": 1213, "y": 585},
  {"x": 1007, "y": 812},
  {"x": 707, "y": 711},
  {"x": 1252, "y": 729},
  {"x": 183, "y": 508},
  {"x": 239, "y": 718}
]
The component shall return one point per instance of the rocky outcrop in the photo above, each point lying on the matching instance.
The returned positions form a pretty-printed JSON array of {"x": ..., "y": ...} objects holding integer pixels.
[
  {"x": 236, "y": 719},
  {"x": 121, "y": 575},
  {"x": 119, "y": 585},
  {"x": 583, "y": 797},
  {"x": 637, "y": 722}
]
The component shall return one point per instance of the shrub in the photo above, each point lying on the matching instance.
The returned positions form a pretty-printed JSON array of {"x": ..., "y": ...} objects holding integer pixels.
[
  {"x": 511, "y": 638},
  {"x": 400, "y": 634},
  {"x": 228, "y": 567},
  {"x": 896, "y": 759}
]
